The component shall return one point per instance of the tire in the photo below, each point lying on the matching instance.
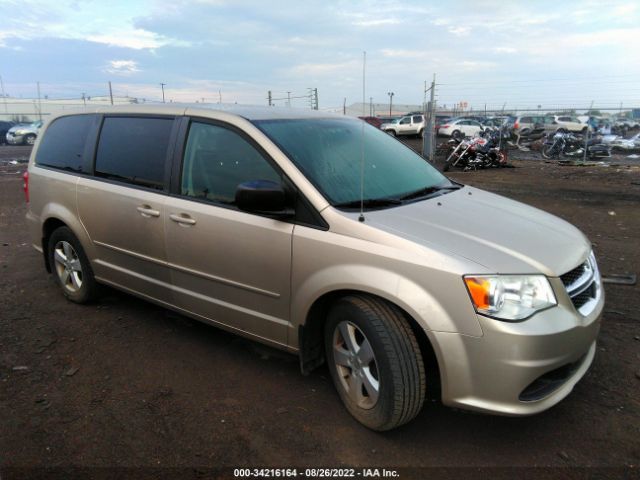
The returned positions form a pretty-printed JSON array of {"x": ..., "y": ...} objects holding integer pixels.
[
  {"x": 547, "y": 151},
  {"x": 421, "y": 133},
  {"x": 382, "y": 386},
  {"x": 456, "y": 134},
  {"x": 30, "y": 139},
  {"x": 70, "y": 266},
  {"x": 392, "y": 133}
]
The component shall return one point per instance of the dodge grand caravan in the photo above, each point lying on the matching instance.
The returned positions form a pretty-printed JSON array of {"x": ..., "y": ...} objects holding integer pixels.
[{"x": 325, "y": 237}]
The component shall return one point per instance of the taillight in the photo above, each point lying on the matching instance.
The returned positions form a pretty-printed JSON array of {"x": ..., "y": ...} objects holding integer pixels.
[
  {"x": 25, "y": 185},
  {"x": 516, "y": 126},
  {"x": 444, "y": 126}
]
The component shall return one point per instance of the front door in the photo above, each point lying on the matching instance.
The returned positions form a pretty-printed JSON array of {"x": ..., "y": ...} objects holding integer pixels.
[{"x": 228, "y": 266}]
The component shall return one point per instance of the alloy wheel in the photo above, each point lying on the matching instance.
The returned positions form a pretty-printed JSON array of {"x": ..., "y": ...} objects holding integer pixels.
[
  {"x": 68, "y": 266},
  {"x": 356, "y": 365}
]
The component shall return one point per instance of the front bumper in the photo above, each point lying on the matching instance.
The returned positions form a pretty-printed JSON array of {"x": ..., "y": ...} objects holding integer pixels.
[
  {"x": 519, "y": 368},
  {"x": 15, "y": 139}
]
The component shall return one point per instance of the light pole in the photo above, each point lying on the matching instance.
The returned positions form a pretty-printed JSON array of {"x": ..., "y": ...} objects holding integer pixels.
[
  {"x": 162, "y": 86},
  {"x": 391, "y": 94}
]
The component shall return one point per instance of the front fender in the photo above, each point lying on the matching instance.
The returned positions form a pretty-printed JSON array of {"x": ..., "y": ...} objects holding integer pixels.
[{"x": 414, "y": 299}]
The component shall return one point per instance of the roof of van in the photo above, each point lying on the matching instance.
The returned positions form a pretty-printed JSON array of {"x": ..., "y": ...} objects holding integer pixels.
[{"x": 248, "y": 112}]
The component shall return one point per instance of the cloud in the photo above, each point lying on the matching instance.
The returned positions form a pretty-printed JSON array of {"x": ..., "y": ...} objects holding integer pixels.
[
  {"x": 460, "y": 31},
  {"x": 505, "y": 50},
  {"x": 123, "y": 68},
  {"x": 402, "y": 53},
  {"x": 377, "y": 22},
  {"x": 137, "y": 39}
]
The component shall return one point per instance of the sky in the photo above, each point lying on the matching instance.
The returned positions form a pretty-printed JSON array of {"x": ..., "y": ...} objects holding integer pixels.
[{"x": 495, "y": 53}]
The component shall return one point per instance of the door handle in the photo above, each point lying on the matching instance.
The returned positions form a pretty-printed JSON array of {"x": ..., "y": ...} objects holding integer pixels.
[
  {"x": 182, "y": 219},
  {"x": 147, "y": 212}
]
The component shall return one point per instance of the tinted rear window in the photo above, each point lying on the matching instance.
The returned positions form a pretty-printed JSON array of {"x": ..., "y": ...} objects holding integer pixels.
[
  {"x": 134, "y": 150},
  {"x": 63, "y": 143}
]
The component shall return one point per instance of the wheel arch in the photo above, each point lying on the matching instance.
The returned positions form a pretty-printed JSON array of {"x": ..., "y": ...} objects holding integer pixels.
[{"x": 310, "y": 334}]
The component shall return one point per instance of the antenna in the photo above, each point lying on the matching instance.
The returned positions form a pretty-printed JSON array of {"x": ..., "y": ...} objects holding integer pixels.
[{"x": 361, "y": 217}]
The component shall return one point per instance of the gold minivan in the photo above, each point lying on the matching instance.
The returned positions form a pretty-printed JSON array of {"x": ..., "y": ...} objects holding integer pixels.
[{"x": 323, "y": 236}]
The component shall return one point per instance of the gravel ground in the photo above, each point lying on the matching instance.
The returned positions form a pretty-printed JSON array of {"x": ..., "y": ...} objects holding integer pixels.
[{"x": 123, "y": 388}]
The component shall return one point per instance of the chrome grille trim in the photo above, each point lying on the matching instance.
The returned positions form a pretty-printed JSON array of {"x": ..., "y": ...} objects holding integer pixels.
[{"x": 588, "y": 281}]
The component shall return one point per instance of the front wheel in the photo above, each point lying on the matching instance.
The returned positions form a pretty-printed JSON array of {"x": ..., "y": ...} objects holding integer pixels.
[
  {"x": 392, "y": 133},
  {"x": 457, "y": 134},
  {"x": 30, "y": 139},
  {"x": 375, "y": 362},
  {"x": 70, "y": 266},
  {"x": 548, "y": 151}
]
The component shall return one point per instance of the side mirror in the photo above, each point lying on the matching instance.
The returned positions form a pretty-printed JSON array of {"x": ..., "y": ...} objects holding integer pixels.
[{"x": 262, "y": 196}]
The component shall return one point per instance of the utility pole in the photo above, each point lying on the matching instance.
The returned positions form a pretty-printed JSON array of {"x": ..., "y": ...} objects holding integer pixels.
[
  {"x": 344, "y": 106},
  {"x": 288, "y": 99},
  {"x": 110, "y": 92},
  {"x": 315, "y": 98},
  {"x": 219, "y": 96},
  {"x": 39, "y": 103},
  {"x": 427, "y": 133},
  {"x": 269, "y": 98},
  {"x": 84, "y": 99},
  {"x": 371, "y": 106},
  {"x": 391, "y": 94},
  {"x": 162, "y": 86},
  {"x": 4, "y": 97}
]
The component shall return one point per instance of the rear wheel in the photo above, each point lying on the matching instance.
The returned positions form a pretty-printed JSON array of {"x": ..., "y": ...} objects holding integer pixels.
[
  {"x": 70, "y": 266},
  {"x": 457, "y": 134},
  {"x": 375, "y": 362}
]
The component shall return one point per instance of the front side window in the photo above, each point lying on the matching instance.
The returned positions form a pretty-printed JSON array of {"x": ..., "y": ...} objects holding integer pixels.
[
  {"x": 217, "y": 160},
  {"x": 405, "y": 121},
  {"x": 63, "y": 143},
  {"x": 329, "y": 150},
  {"x": 134, "y": 150}
]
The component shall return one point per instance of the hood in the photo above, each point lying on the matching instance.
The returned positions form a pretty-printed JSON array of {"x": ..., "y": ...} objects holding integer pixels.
[
  {"x": 500, "y": 234},
  {"x": 23, "y": 128}
]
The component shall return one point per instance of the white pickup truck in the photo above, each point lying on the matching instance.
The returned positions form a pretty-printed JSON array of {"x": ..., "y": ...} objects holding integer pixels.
[{"x": 409, "y": 125}]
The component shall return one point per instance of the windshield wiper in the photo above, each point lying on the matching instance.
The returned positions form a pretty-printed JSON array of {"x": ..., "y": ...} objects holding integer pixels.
[
  {"x": 425, "y": 192},
  {"x": 370, "y": 203}
]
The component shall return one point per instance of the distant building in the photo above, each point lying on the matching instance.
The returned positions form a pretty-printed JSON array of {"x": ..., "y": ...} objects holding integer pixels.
[{"x": 32, "y": 109}]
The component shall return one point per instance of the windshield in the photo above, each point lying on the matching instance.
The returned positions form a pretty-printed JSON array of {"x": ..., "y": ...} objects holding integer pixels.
[{"x": 328, "y": 151}]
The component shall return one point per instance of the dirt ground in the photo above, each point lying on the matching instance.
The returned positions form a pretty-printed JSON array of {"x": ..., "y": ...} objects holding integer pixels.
[{"x": 123, "y": 388}]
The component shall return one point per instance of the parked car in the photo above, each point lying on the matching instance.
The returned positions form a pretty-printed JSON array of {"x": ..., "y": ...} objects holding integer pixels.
[
  {"x": 408, "y": 125},
  {"x": 568, "y": 123},
  {"x": 23, "y": 134},
  {"x": 457, "y": 128},
  {"x": 525, "y": 125},
  {"x": 4, "y": 128},
  {"x": 375, "y": 121},
  {"x": 254, "y": 220}
]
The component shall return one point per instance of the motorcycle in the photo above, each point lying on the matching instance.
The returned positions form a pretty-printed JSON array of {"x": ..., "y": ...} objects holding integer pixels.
[
  {"x": 484, "y": 151},
  {"x": 563, "y": 144}
]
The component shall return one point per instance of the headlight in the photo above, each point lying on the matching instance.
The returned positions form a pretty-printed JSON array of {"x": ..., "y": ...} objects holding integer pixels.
[
  {"x": 510, "y": 297},
  {"x": 20, "y": 132}
]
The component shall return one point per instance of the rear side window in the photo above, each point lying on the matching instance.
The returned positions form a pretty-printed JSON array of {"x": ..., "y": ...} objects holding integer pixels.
[
  {"x": 134, "y": 150},
  {"x": 417, "y": 119},
  {"x": 63, "y": 143}
]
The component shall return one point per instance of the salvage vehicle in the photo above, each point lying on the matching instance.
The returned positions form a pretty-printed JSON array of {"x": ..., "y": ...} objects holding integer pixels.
[
  {"x": 23, "y": 134},
  {"x": 568, "y": 123},
  {"x": 4, "y": 128},
  {"x": 408, "y": 125},
  {"x": 323, "y": 236},
  {"x": 460, "y": 127}
]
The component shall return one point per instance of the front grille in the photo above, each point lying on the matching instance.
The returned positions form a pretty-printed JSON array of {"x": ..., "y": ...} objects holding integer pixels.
[
  {"x": 582, "y": 284},
  {"x": 569, "y": 278}
]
